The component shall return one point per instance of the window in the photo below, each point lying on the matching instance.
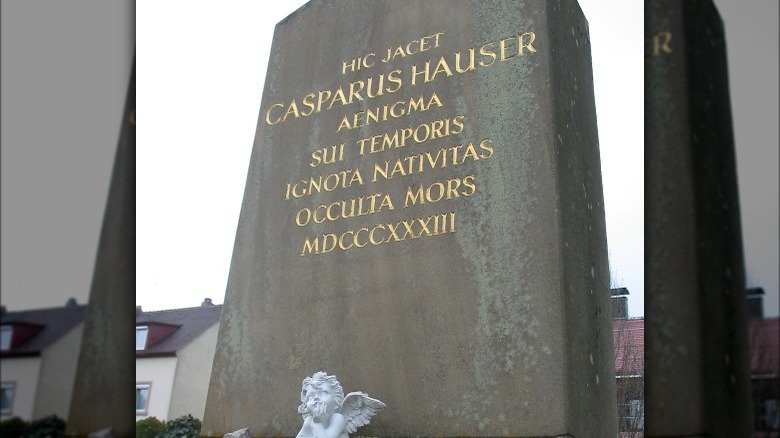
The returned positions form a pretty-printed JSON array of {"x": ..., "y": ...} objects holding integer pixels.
[
  {"x": 631, "y": 416},
  {"x": 6, "y": 398},
  {"x": 770, "y": 415},
  {"x": 140, "y": 337},
  {"x": 638, "y": 414},
  {"x": 142, "y": 398},
  {"x": 5, "y": 337}
]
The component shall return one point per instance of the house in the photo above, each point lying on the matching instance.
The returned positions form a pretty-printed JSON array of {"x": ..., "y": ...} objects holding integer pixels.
[
  {"x": 39, "y": 352},
  {"x": 628, "y": 335},
  {"x": 764, "y": 345},
  {"x": 764, "y": 336},
  {"x": 173, "y": 358},
  {"x": 764, "y": 340}
]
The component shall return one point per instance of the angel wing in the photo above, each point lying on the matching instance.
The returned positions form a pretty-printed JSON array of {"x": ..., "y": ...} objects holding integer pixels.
[{"x": 358, "y": 409}]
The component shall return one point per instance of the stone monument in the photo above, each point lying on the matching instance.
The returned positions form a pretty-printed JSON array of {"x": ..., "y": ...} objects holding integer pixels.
[
  {"x": 698, "y": 375},
  {"x": 423, "y": 217},
  {"x": 102, "y": 400}
]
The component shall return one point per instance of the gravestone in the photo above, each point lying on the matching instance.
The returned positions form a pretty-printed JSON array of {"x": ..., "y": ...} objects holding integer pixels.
[
  {"x": 102, "y": 400},
  {"x": 424, "y": 218},
  {"x": 697, "y": 370}
]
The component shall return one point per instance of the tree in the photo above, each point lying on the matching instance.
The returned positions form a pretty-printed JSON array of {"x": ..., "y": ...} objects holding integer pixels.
[
  {"x": 183, "y": 427},
  {"x": 149, "y": 427}
]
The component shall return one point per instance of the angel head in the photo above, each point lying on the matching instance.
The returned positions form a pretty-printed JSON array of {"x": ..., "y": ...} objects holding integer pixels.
[{"x": 321, "y": 395}]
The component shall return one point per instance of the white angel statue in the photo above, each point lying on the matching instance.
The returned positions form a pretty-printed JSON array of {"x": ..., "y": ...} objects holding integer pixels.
[{"x": 327, "y": 413}]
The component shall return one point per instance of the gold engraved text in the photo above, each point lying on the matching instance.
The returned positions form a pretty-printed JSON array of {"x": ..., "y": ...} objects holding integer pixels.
[
  {"x": 380, "y": 234},
  {"x": 658, "y": 44}
]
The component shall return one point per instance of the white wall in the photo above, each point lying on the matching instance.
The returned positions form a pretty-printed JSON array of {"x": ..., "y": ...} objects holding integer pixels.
[
  {"x": 193, "y": 372},
  {"x": 58, "y": 372},
  {"x": 23, "y": 372},
  {"x": 159, "y": 372}
]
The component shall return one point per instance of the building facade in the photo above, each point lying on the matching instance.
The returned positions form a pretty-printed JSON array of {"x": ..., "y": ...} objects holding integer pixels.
[
  {"x": 174, "y": 353},
  {"x": 764, "y": 338},
  {"x": 38, "y": 356},
  {"x": 628, "y": 336}
]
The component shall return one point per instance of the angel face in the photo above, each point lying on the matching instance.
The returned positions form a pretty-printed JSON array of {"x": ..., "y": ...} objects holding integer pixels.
[{"x": 321, "y": 401}]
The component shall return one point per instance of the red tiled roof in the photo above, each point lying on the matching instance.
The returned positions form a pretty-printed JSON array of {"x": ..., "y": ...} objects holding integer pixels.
[
  {"x": 629, "y": 338},
  {"x": 187, "y": 325},
  {"x": 764, "y": 339}
]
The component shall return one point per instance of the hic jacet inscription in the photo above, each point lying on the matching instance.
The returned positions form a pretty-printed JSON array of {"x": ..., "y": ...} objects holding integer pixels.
[{"x": 350, "y": 227}]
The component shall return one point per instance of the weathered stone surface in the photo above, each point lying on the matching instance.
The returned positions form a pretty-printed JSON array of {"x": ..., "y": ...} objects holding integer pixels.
[
  {"x": 697, "y": 381},
  {"x": 482, "y": 311},
  {"x": 102, "y": 400}
]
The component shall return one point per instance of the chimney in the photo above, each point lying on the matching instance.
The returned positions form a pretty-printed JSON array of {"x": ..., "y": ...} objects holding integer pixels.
[
  {"x": 755, "y": 302},
  {"x": 138, "y": 311},
  {"x": 619, "y": 303},
  {"x": 207, "y": 302},
  {"x": 71, "y": 302}
]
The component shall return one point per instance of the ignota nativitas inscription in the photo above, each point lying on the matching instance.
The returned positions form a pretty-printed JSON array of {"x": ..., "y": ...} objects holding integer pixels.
[{"x": 324, "y": 161}]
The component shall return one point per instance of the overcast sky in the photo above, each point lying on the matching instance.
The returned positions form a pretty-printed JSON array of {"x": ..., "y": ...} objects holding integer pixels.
[
  {"x": 753, "y": 55},
  {"x": 201, "y": 70},
  {"x": 65, "y": 71}
]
